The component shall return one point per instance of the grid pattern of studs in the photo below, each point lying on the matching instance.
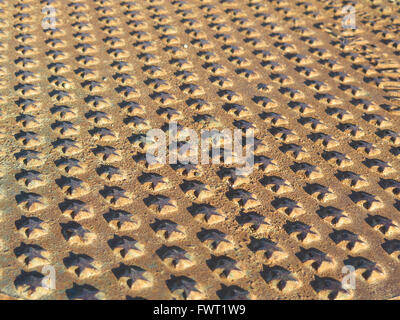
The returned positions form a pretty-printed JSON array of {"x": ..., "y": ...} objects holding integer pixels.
[{"x": 77, "y": 192}]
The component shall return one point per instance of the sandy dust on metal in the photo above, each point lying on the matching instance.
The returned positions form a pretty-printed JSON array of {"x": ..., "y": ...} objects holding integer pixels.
[{"x": 85, "y": 215}]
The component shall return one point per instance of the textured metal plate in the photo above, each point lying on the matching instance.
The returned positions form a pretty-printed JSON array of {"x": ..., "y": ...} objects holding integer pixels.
[{"x": 81, "y": 80}]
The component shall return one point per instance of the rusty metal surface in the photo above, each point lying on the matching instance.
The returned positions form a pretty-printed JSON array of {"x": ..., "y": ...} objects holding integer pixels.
[{"x": 77, "y": 194}]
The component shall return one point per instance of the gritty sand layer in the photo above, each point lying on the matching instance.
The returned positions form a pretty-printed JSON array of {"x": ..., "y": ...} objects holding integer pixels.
[{"x": 76, "y": 192}]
